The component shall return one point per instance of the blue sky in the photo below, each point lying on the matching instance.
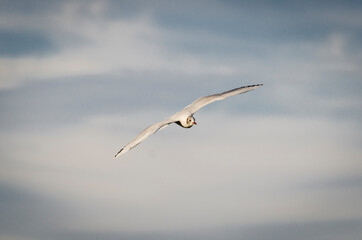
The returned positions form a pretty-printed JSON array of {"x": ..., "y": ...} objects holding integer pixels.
[{"x": 79, "y": 79}]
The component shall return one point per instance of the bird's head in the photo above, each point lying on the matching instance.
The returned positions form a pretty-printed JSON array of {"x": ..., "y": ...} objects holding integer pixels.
[{"x": 190, "y": 121}]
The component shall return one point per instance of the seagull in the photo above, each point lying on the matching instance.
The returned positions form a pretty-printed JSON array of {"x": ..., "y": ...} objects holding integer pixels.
[{"x": 184, "y": 118}]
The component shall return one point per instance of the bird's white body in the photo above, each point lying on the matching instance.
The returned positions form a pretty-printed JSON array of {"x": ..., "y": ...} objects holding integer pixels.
[{"x": 184, "y": 118}]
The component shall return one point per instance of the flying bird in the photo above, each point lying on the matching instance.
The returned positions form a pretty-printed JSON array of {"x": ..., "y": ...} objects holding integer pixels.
[{"x": 185, "y": 118}]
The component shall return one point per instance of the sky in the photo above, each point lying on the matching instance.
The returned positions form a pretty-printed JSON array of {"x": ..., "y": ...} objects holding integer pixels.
[{"x": 80, "y": 79}]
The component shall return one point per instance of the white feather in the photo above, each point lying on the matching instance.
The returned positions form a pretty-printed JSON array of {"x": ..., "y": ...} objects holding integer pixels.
[{"x": 182, "y": 115}]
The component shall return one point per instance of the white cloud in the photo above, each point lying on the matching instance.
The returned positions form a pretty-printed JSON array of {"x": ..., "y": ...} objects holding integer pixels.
[
  {"x": 228, "y": 170},
  {"x": 243, "y": 170},
  {"x": 110, "y": 46}
]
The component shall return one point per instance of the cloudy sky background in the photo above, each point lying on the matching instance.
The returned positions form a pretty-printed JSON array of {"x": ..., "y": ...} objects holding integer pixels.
[{"x": 79, "y": 79}]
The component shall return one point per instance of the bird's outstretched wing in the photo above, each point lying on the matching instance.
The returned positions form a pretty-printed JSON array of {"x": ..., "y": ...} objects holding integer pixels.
[
  {"x": 143, "y": 135},
  {"x": 187, "y": 111},
  {"x": 203, "y": 101}
]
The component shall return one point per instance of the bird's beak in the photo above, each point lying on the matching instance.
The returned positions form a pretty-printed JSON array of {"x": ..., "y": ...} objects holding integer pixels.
[{"x": 195, "y": 123}]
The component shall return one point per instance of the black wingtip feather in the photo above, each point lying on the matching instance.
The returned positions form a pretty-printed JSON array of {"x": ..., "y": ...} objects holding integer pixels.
[
  {"x": 118, "y": 153},
  {"x": 256, "y": 85}
]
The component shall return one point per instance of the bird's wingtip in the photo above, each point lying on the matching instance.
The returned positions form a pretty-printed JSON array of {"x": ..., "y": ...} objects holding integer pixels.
[
  {"x": 254, "y": 86},
  {"x": 117, "y": 154}
]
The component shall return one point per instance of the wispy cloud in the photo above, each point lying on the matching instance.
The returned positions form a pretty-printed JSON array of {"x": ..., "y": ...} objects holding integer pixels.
[
  {"x": 80, "y": 78},
  {"x": 188, "y": 177}
]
